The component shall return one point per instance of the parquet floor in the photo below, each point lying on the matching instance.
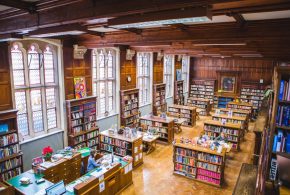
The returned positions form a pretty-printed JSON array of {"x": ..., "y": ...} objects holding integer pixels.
[{"x": 156, "y": 177}]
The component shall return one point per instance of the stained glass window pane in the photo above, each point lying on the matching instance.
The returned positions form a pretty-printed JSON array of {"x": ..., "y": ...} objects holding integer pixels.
[
  {"x": 34, "y": 76},
  {"x": 50, "y": 98},
  {"x": 102, "y": 89},
  {"x": 37, "y": 121},
  {"x": 48, "y": 60},
  {"x": 51, "y": 118},
  {"x": 22, "y": 123},
  {"x": 17, "y": 59},
  {"x": 94, "y": 73},
  {"x": 49, "y": 75},
  {"x": 110, "y": 72},
  {"x": 110, "y": 59},
  {"x": 35, "y": 95}
]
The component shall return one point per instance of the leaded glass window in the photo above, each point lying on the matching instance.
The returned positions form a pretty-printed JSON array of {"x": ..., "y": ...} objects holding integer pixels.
[
  {"x": 143, "y": 77},
  {"x": 35, "y": 88},
  {"x": 168, "y": 74},
  {"x": 185, "y": 73},
  {"x": 104, "y": 80}
]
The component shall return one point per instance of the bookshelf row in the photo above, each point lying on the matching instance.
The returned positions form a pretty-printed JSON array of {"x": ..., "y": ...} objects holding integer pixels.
[
  {"x": 201, "y": 103},
  {"x": 203, "y": 89},
  {"x": 196, "y": 163},
  {"x": 11, "y": 162},
  {"x": 178, "y": 93},
  {"x": 159, "y": 98},
  {"x": 188, "y": 113},
  {"x": 221, "y": 101}
]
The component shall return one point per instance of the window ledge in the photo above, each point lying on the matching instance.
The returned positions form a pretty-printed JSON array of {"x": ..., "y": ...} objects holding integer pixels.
[
  {"x": 41, "y": 136},
  {"x": 147, "y": 104},
  {"x": 104, "y": 117}
]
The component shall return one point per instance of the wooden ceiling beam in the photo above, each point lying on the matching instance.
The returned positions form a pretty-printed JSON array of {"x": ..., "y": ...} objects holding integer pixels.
[{"x": 29, "y": 7}]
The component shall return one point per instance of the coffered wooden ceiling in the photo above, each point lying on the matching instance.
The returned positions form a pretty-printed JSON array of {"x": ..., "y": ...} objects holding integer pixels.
[{"x": 248, "y": 28}]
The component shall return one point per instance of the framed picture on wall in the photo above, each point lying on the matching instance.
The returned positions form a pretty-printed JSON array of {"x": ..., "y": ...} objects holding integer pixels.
[
  {"x": 80, "y": 87},
  {"x": 228, "y": 84}
]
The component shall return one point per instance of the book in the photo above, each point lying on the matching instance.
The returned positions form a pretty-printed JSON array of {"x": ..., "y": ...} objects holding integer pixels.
[
  {"x": 281, "y": 90},
  {"x": 3, "y": 128},
  {"x": 273, "y": 169},
  {"x": 275, "y": 143},
  {"x": 287, "y": 146}
]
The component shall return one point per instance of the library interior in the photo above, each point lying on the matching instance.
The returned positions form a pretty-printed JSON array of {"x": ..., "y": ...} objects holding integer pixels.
[{"x": 144, "y": 97}]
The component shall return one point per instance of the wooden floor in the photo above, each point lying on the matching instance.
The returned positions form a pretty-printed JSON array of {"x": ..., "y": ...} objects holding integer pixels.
[{"x": 156, "y": 177}]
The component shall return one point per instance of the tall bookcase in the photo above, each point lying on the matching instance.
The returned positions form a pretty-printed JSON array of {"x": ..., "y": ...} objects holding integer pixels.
[
  {"x": 82, "y": 122},
  {"x": 159, "y": 99},
  {"x": 129, "y": 107},
  {"x": 178, "y": 93},
  {"x": 11, "y": 162},
  {"x": 203, "y": 89},
  {"x": 253, "y": 93},
  {"x": 199, "y": 163},
  {"x": 280, "y": 133},
  {"x": 123, "y": 146}
]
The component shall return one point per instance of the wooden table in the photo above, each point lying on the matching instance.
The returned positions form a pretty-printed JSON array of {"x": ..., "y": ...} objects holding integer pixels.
[
  {"x": 177, "y": 123},
  {"x": 150, "y": 142}
]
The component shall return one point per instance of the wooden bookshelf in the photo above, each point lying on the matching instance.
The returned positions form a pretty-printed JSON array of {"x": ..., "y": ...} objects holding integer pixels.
[
  {"x": 199, "y": 163},
  {"x": 221, "y": 100},
  {"x": 186, "y": 112},
  {"x": 253, "y": 93},
  {"x": 159, "y": 99},
  {"x": 203, "y": 89},
  {"x": 203, "y": 104},
  {"x": 241, "y": 106},
  {"x": 236, "y": 112},
  {"x": 233, "y": 119},
  {"x": 123, "y": 146},
  {"x": 129, "y": 105},
  {"x": 6, "y": 189},
  {"x": 280, "y": 126},
  {"x": 164, "y": 127},
  {"x": 178, "y": 93},
  {"x": 11, "y": 160},
  {"x": 82, "y": 123},
  {"x": 233, "y": 130}
]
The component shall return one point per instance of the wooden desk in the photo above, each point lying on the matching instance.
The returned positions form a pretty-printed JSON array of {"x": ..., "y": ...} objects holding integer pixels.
[
  {"x": 28, "y": 189},
  {"x": 177, "y": 123}
]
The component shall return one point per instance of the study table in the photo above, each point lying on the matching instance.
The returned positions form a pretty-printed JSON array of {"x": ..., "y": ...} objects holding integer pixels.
[{"x": 110, "y": 178}]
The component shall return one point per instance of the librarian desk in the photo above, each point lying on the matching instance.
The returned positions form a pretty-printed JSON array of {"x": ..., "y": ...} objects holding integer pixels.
[{"x": 112, "y": 181}]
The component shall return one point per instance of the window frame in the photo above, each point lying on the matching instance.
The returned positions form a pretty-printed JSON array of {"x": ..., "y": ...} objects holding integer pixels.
[
  {"x": 24, "y": 47},
  {"x": 186, "y": 73},
  {"x": 171, "y": 74},
  {"x": 145, "y": 77},
  {"x": 106, "y": 80}
]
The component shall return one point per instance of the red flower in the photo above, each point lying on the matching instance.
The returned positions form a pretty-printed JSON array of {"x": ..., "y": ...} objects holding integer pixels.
[{"x": 47, "y": 150}]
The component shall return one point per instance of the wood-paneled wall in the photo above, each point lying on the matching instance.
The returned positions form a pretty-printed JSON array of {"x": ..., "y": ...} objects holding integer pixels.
[
  {"x": 76, "y": 68},
  {"x": 157, "y": 69},
  {"x": 5, "y": 81},
  {"x": 127, "y": 68},
  {"x": 252, "y": 70}
]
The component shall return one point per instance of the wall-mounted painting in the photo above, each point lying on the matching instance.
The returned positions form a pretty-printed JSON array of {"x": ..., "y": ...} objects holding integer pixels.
[
  {"x": 228, "y": 84},
  {"x": 80, "y": 87}
]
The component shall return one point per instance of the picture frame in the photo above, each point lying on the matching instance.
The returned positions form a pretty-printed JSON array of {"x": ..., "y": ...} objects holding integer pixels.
[
  {"x": 228, "y": 84},
  {"x": 80, "y": 87}
]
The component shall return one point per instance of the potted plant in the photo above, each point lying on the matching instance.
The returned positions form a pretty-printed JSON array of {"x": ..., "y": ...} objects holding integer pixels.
[{"x": 47, "y": 153}]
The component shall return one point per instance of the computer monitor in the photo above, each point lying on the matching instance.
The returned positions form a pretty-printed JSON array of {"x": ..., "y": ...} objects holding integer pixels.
[
  {"x": 56, "y": 189},
  {"x": 283, "y": 160}
]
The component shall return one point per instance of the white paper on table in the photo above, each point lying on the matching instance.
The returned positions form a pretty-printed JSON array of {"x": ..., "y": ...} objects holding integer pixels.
[
  {"x": 102, "y": 186},
  {"x": 130, "y": 167},
  {"x": 135, "y": 150},
  {"x": 126, "y": 169}
]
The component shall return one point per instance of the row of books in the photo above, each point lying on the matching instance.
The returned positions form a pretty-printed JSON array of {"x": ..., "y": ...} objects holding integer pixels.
[
  {"x": 185, "y": 168},
  {"x": 79, "y": 139},
  {"x": 229, "y": 120},
  {"x": 76, "y": 122},
  {"x": 281, "y": 142},
  {"x": 4, "y": 152},
  {"x": 210, "y": 158},
  {"x": 133, "y": 119},
  {"x": 208, "y": 166},
  {"x": 93, "y": 142},
  {"x": 76, "y": 115},
  {"x": 77, "y": 108},
  {"x": 220, "y": 129},
  {"x": 230, "y": 138},
  {"x": 153, "y": 123},
  {"x": 9, "y": 174},
  {"x": 116, "y": 142},
  {"x": 90, "y": 105},
  {"x": 90, "y": 118},
  {"x": 131, "y": 112},
  {"x": 283, "y": 116},
  {"x": 208, "y": 173},
  {"x": 10, "y": 164},
  {"x": 252, "y": 90},
  {"x": 8, "y": 139},
  {"x": 209, "y": 179},
  {"x": 130, "y": 106},
  {"x": 185, "y": 152},
  {"x": 128, "y": 97},
  {"x": 185, "y": 160},
  {"x": 235, "y": 106},
  {"x": 90, "y": 125},
  {"x": 92, "y": 134},
  {"x": 284, "y": 93}
]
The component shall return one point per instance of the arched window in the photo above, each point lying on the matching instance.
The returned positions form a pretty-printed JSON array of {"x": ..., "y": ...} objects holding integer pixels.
[
  {"x": 104, "y": 80},
  {"x": 35, "y": 88}
]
